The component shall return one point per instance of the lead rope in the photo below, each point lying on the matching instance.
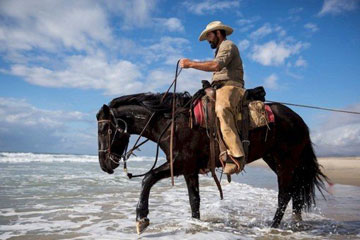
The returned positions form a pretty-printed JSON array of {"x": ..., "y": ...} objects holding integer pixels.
[{"x": 314, "y": 107}]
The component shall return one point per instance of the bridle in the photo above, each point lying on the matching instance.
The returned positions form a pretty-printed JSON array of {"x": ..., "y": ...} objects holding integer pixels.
[
  {"x": 126, "y": 153},
  {"x": 115, "y": 158}
]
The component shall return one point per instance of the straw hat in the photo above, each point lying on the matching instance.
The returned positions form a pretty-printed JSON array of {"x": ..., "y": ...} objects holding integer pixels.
[{"x": 215, "y": 25}]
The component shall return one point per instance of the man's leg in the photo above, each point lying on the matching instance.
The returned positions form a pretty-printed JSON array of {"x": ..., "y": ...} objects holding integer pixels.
[{"x": 227, "y": 100}]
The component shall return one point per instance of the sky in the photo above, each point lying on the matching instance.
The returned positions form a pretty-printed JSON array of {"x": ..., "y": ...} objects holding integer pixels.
[{"x": 60, "y": 61}]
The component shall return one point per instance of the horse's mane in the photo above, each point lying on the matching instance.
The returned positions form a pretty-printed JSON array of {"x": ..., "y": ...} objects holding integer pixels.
[{"x": 152, "y": 101}]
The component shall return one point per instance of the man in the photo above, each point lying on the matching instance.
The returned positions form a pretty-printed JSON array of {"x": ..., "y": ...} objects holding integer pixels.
[{"x": 229, "y": 83}]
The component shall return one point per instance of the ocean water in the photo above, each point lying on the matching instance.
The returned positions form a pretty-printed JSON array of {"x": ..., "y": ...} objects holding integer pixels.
[{"x": 47, "y": 196}]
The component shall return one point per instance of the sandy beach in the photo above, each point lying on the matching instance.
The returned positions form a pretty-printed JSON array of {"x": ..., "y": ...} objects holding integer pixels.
[{"x": 340, "y": 170}]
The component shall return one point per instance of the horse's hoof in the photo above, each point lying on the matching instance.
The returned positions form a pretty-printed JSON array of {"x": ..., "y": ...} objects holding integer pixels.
[
  {"x": 141, "y": 225},
  {"x": 275, "y": 225},
  {"x": 296, "y": 218}
]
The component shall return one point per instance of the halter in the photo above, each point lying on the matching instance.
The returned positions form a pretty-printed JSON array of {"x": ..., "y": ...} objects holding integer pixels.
[{"x": 111, "y": 141}]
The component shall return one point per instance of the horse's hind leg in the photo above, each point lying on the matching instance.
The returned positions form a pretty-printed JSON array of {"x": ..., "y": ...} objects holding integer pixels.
[
  {"x": 283, "y": 200},
  {"x": 284, "y": 195},
  {"x": 192, "y": 182},
  {"x": 142, "y": 209},
  {"x": 297, "y": 207},
  {"x": 285, "y": 182}
]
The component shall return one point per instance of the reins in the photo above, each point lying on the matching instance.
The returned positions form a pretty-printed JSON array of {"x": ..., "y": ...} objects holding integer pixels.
[{"x": 172, "y": 124}]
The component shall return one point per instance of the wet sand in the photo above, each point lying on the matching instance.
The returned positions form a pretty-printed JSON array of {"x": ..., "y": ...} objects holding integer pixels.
[{"x": 340, "y": 170}]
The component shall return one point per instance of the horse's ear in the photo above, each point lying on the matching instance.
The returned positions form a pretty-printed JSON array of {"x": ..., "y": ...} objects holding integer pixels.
[{"x": 103, "y": 113}]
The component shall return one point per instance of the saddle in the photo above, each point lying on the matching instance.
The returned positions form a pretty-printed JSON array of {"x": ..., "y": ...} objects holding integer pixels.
[{"x": 254, "y": 113}]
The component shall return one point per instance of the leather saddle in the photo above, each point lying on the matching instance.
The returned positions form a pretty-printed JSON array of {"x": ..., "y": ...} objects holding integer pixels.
[{"x": 254, "y": 113}]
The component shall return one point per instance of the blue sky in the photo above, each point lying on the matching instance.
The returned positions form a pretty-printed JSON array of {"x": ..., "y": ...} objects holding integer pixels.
[{"x": 61, "y": 60}]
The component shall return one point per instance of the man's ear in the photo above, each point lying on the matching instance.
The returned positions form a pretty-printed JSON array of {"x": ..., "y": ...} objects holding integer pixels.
[{"x": 219, "y": 35}]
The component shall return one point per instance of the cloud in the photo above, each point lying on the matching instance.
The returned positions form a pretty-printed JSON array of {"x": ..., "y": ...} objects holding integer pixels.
[
  {"x": 189, "y": 80},
  {"x": 336, "y": 7},
  {"x": 261, "y": 32},
  {"x": 27, "y": 128},
  {"x": 172, "y": 24},
  {"x": 247, "y": 24},
  {"x": 297, "y": 10},
  {"x": 244, "y": 44},
  {"x": 338, "y": 134},
  {"x": 271, "y": 82},
  {"x": 134, "y": 13},
  {"x": 275, "y": 54},
  {"x": 267, "y": 29},
  {"x": 85, "y": 72},
  {"x": 300, "y": 62},
  {"x": 52, "y": 25},
  {"x": 209, "y": 6},
  {"x": 168, "y": 50},
  {"x": 311, "y": 27}
]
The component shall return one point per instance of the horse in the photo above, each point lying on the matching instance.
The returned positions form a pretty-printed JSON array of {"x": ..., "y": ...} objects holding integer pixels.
[{"x": 286, "y": 148}]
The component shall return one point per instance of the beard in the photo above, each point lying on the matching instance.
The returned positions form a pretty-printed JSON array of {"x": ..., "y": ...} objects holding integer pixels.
[{"x": 214, "y": 43}]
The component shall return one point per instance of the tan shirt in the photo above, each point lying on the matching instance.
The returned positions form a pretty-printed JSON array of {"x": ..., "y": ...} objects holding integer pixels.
[{"x": 229, "y": 60}]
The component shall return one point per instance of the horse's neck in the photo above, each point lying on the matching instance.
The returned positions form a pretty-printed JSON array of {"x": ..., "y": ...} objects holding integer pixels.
[{"x": 140, "y": 117}]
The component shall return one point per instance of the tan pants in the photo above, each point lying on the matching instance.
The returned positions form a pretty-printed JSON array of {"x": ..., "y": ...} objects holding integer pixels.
[{"x": 227, "y": 101}]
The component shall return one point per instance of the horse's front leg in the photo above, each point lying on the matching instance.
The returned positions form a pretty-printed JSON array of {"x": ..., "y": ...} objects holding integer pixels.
[
  {"x": 142, "y": 209},
  {"x": 192, "y": 182}
]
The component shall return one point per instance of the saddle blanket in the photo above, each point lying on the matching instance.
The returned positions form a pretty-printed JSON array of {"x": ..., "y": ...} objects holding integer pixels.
[{"x": 260, "y": 114}]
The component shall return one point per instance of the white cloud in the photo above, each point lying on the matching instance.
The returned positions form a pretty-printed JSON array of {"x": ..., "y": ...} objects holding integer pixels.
[
  {"x": 275, "y": 54},
  {"x": 311, "y": 27},
  {"x": 27, "y": 128},
  {"x": 281, "y": 32},
  {"x": 244, "y": 44},
  {"x": 189, "y": 80},
  {"x": 172, "y": 24},
  {"x": 20, "y": 112},
  {"x": 336, "y": 7},
  {"x": 86, "y": 72},
  {"x": 261, "y": 32},
  {"x": 300, "y": 62},
  {"x": 134, "y": 13},
  {"x": 247, "y": 24},
  {"x": 139, "y": 14},
  {"x": 209, "y": 6},
  {"x": 271, "y": 82},
  {"x": 338, "y": 134},
  {"x": 297, "y": 10},
  {"x": 168, "y": 50},
  {"x": 53, "y": 25}
]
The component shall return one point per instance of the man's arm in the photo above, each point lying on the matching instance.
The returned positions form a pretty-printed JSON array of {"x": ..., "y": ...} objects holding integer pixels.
[{"x": 208, "y": 66}]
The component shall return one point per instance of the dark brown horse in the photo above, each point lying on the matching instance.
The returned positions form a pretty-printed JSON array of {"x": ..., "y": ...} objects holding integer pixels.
[{"x": 287, "y": 150}]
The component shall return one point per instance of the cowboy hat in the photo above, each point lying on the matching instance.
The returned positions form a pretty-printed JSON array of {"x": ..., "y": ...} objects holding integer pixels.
[{"x": 215, "y": 25}]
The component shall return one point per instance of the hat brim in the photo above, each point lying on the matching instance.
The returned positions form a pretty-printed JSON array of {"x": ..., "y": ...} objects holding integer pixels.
[{"x": 228, "y": 31}]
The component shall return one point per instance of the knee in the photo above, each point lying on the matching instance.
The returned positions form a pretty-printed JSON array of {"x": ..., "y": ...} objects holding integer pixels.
[{"x": 147, "y": 179}]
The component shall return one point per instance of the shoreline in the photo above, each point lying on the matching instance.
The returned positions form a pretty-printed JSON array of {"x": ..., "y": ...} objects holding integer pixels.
[{"x": 340, "y": 170}]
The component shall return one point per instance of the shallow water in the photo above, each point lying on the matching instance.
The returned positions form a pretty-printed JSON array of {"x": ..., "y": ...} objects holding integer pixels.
[{"x": 69, "y": 197}]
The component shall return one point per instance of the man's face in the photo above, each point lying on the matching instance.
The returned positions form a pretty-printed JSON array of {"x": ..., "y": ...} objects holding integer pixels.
[{"x": 212, "y": 39}]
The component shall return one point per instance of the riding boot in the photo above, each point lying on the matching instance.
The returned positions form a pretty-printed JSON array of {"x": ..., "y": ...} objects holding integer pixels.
[{"x": 234, "y": 165}]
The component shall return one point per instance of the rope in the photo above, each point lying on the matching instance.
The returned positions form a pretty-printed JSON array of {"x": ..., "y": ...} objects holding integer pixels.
[
  {"x": 314, "y": 107},
  {"x": 171, "y": 123}
]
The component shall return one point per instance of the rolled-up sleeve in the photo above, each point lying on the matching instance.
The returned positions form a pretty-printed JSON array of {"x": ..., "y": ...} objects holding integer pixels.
[{"x": 224, "y": 55}]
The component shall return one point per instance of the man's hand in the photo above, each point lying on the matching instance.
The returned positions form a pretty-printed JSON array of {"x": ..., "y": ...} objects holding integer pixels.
[
  {"x": 185, "y": 63},
  {"x": 209, "y": 66}
]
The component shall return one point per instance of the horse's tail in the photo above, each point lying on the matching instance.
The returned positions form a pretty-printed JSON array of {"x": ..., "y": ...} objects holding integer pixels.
[{"x": 308, "y": 176}]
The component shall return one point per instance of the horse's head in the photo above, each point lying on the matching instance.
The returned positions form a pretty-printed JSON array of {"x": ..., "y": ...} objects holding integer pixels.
[{"x": 113, "y": 139}]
